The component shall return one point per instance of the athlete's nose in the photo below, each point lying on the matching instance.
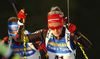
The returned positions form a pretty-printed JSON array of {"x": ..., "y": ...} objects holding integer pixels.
[{"x": 55, "y": 29}]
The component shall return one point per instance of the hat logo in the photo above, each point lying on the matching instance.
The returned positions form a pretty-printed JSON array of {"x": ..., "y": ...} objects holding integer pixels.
[{"x": 53, "y": 19}]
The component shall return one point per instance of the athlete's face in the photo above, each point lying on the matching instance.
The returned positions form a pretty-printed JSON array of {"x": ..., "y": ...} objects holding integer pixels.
[
  {"x": 13, "y": 28},
  {"x": 56, "y": 28}
]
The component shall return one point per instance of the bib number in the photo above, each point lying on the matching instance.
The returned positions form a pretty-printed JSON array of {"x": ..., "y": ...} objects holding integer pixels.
[{"x": 58, "y": 57}]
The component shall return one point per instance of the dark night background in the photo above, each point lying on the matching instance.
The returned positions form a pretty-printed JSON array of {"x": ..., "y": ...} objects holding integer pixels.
[{"x": 85, "y": 14}]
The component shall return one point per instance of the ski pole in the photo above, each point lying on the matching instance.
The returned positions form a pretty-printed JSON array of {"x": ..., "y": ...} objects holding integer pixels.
[
  {"x": 68, "y": 10},
  {"x": 12, "y": 2}
]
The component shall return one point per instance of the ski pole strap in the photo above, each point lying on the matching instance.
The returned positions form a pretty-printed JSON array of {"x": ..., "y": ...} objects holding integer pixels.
[{"x": 80, "y": 46}]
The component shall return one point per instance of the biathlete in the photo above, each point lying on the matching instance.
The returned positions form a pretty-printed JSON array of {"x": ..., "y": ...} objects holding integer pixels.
[
  {"x": 13, "y": 40},
  {"x": 60, "y": 39}
]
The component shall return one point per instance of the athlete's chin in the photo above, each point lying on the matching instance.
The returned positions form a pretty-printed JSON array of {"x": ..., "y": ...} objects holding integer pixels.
[{"x": 56, "y": 34}]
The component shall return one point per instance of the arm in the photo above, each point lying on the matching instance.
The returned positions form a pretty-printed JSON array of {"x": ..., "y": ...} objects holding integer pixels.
[
  {"x": 37, "y": 36},
  {"x": 79, "y": 36},
  {"x": 33, "y": 37}
]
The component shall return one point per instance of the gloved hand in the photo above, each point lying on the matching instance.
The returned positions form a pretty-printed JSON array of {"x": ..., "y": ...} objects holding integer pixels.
[
  {"x": 43, "y": 50},
  {"x": 71, "y": 27},
  {"x": 4, "y": 39},
  {"x": 22, "y": 16}
]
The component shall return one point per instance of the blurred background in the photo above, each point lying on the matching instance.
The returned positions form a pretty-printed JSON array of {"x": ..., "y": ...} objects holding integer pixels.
[{"x": 85, "y": 14}]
